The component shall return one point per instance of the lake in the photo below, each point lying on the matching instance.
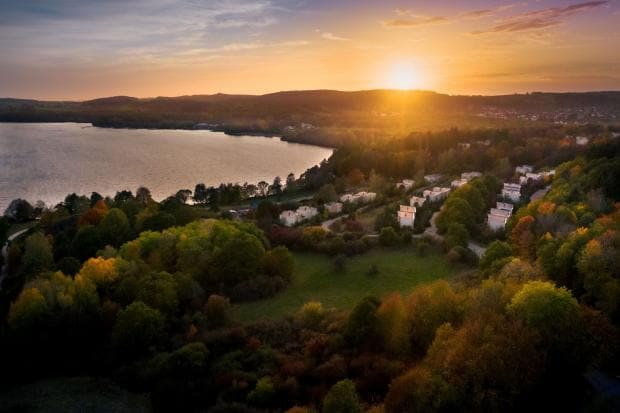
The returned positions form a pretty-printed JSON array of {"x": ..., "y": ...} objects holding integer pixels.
[{"x": 46, "y": 161}]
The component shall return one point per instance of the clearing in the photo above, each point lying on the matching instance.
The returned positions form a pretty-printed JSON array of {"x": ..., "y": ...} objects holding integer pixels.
[{"x": 315, "y": 278}]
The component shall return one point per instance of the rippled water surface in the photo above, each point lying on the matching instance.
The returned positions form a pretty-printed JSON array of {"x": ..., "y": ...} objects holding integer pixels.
[{"x": 46, "y": 161}]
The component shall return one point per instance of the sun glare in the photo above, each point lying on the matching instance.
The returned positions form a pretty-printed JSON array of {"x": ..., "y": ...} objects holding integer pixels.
[{"x": 404, "y": 76}]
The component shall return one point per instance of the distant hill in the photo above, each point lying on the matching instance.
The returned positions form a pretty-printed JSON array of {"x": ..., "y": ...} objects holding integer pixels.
[{"x": 300, "y": 114}]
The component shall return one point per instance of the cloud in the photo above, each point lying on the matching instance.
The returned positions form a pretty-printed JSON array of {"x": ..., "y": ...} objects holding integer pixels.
[
  {"x": 331, "y": 36},
  {"x": 540, "y": 19},
  {"x": 407, "y": 18},
  {"x": 414, "y": 21}
]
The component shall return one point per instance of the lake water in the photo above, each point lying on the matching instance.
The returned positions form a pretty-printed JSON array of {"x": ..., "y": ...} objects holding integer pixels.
[{"x": 46, "y": 161}]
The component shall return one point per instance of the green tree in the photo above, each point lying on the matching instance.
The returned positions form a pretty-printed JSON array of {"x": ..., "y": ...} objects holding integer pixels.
[
  {"x": 327, "y": 193},
  {"x": 495, "y": 256},
  {"x": 114, "y": 227},
  {"x": 263, "y": 394},
  {"x": 342, "y": 398},
  {"x": 545, "y": 307},
  {"x": 457, "y": 235},
  {"x": 138, "y": 328},
  {"x": 279, "y": 262},
  {"x": 38, "y": 255},
  {"x": 86, "y": 242},
  {"x": 363, "y": 324},
  {"x": 217, "y": 311}
]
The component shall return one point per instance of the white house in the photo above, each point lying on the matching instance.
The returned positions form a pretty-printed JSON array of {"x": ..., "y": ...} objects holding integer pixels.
[
  {"x": 306, "y": 212},
  {"x": 512, "y": 191},
  {"x": 407, "y": 184},
  {"x": 458, "y": 183},
  {"x": 288, "y": 218},
  {"x": 366, "y": 196},
  {"x": 359, "y": 197},
  {"x": 417, "y": 200},
  {"x": 436, "y": 194},
  {"x": 471, "y": 175},
  {"x": 464, "y": 145},
  {"x": 506, "y": 206},
  {"x": 432, "y": 178},
  {"x": 349, "y": 198},
  {"x": 333, "y": 207},
  {"x": 581, "y": 140},
  {"x": 406, "y": 216},
  {"x": 523, "y": 169},
  {"x": 497, "y": 218}
]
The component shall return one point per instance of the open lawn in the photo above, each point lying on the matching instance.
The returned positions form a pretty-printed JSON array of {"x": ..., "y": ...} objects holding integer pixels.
[{"x": 315, "y": 278}]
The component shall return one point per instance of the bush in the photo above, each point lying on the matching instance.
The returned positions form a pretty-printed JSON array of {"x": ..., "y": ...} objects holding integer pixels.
[
  {"x": 340, "y": 263},
  {"x": 422, "y": 247},
  {"x": 311, "y": 314},
  {"x": 388, "y": 237},
  {"x": 373, "y": 270},
  {"x": 217, "y": 311}
]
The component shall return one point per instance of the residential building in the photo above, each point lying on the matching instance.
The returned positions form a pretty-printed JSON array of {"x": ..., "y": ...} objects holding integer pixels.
[
  {"x": 523, "y": 169},
  {"x": 432, "y": 178},
  {"x": 333, "y": 207},
  {"x": 464, "y": 145},
  {"x": 458, "y": 183},
  {"x": 512, "y": 191},
  {"x": 436, "y": 194},
  {"x": 581, "y": 140},
  {"x": 407, "y": 184},
  {"x": 406, "y": 216},
  {"x": 506, "y": 206},
  {"x": 349, "y": 198},
  {"x": 288, "y": 218},
  {"x": 306, "y": 212},
  {"x": 417, "y": 200},
  {"x": 366, "y": 196},
  {"x": 471, "y": 175}
]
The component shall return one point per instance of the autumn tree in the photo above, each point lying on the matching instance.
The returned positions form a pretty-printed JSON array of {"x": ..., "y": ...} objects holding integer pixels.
[{"x": 342, "y": 398}]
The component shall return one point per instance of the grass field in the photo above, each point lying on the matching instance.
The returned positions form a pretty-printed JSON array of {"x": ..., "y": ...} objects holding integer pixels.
[{"x": 316, "y": 279}]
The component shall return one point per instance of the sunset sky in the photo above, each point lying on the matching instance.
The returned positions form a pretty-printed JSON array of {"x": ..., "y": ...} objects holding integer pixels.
[{"x": 71, "y": 49}]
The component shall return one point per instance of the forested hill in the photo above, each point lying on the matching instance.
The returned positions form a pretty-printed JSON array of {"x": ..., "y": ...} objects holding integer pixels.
[{"x": 321, "y": 115}]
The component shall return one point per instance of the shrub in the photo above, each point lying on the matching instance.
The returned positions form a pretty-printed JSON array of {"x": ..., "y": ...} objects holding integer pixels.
[{"x": 388, "y": 237}]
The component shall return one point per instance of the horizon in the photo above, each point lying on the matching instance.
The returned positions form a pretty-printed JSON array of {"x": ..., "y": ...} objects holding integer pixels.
[
  {"x": 84, "y": 50},
  {"x": 147, "y": 97}
]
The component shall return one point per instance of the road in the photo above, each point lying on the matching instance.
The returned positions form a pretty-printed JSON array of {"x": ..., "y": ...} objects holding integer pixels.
[
  {"x": 540, "y": 193},
  {"x": 431, "y": 231},
  {"x": 5, "y": 253}
]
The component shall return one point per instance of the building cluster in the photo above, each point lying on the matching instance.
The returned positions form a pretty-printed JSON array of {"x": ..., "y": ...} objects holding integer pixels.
[
  {"x": 465, "y": 178},
  {"x": 303, "y": 213},
  {"x": 526, "y": 174},
  {"x": 498, "y": 216},
  {"x": 360, "y": 197},
  {"x": 406, "y": 184}
]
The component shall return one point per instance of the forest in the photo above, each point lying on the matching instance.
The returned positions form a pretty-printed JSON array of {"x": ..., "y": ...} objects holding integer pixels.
[{"x": 144, "y": 293}]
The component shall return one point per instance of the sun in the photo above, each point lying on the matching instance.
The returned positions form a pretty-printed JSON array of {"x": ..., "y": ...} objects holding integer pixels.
[{"x": 403, "y": 76}]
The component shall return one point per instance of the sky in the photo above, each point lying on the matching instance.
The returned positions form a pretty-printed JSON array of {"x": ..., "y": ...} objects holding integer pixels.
[{"x": 82, "y": 49}]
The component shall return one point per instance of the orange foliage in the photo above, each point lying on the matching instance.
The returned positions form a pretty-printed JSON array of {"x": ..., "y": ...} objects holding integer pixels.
[
  {"x": 94, "y": 215},
  {"x": 101, "y": 271}
]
